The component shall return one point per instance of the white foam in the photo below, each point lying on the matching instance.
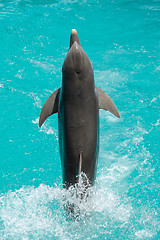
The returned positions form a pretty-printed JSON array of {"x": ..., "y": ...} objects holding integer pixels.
[
  {"x": 44, "y": 65},
  {"x": 33, "y": 213},
  {"x": 38, "y": 212},
  {"x": 1, "y": 86},
  {"x": 34, "y": 96},
  {"x": 36, "y": 121},
  {"x": 48, "y": 130}
]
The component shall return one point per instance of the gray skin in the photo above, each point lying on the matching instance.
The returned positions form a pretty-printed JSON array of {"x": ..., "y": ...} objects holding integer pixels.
[
  {"x": 78, "y": 102},
  {"x": 78, "y": 117}
]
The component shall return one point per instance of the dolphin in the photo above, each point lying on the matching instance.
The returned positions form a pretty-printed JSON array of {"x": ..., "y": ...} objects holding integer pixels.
[{"x": 77, "y": 102}]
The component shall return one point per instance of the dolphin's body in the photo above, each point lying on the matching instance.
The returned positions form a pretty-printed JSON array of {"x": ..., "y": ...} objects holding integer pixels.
[{"x": 78, "y": 102}]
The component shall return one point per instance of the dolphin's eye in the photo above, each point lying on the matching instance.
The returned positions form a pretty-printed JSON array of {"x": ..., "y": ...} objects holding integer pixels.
[{"x": 78, "y": 71}]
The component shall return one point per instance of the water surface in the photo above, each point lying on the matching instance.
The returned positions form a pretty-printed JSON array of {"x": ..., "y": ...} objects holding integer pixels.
[{"x": 121, "y": 39}]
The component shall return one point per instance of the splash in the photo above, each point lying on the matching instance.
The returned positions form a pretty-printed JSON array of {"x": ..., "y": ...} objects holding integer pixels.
[{"x": 30, "y": 213}]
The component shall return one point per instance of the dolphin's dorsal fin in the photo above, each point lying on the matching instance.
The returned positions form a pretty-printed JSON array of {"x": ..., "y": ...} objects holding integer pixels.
[
  {"x": 50, "y": 107},
  {"x": 106, "y": 103}
]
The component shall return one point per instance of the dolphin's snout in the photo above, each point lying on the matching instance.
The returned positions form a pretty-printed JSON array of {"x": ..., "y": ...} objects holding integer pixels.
[
  {"x": 74, "y": 37},
  {"x": 77, "y": 57},
  {"x": 73, "y": 32},
  {"x": 76, "y": 51}
]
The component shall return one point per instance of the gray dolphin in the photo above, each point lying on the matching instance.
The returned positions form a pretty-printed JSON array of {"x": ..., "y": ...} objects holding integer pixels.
[{"x": 78, "y": 102}]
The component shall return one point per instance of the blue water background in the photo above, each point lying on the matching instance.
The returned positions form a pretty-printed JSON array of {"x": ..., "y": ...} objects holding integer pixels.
[{"x": 122, "y": 40}]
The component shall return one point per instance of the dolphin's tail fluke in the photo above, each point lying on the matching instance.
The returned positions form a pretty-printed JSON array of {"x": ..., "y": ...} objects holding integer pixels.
[
  {"x": 82, "y": 178},
  {"x": 83, "y": 182},
  {"x": 80, "y": 166}
]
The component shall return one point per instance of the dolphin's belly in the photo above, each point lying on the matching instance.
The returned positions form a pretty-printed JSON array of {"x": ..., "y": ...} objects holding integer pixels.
[{"x": 78, "y": 134}]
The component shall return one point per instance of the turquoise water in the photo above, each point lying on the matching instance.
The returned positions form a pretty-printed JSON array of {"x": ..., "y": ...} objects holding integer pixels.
[{"x": 122, "y": 40}]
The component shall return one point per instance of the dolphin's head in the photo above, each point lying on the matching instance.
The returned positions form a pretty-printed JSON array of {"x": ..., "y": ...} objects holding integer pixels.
[{"x": 76, "y": 61}]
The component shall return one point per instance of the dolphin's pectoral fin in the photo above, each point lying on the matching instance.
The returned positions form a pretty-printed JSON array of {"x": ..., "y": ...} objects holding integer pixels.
[
  {"x": 50, "y": 107},
  {"x": 106, "y": 103}
]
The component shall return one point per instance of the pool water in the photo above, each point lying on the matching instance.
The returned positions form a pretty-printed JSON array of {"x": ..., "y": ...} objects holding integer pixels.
[{"x": 122, "y": 40}]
